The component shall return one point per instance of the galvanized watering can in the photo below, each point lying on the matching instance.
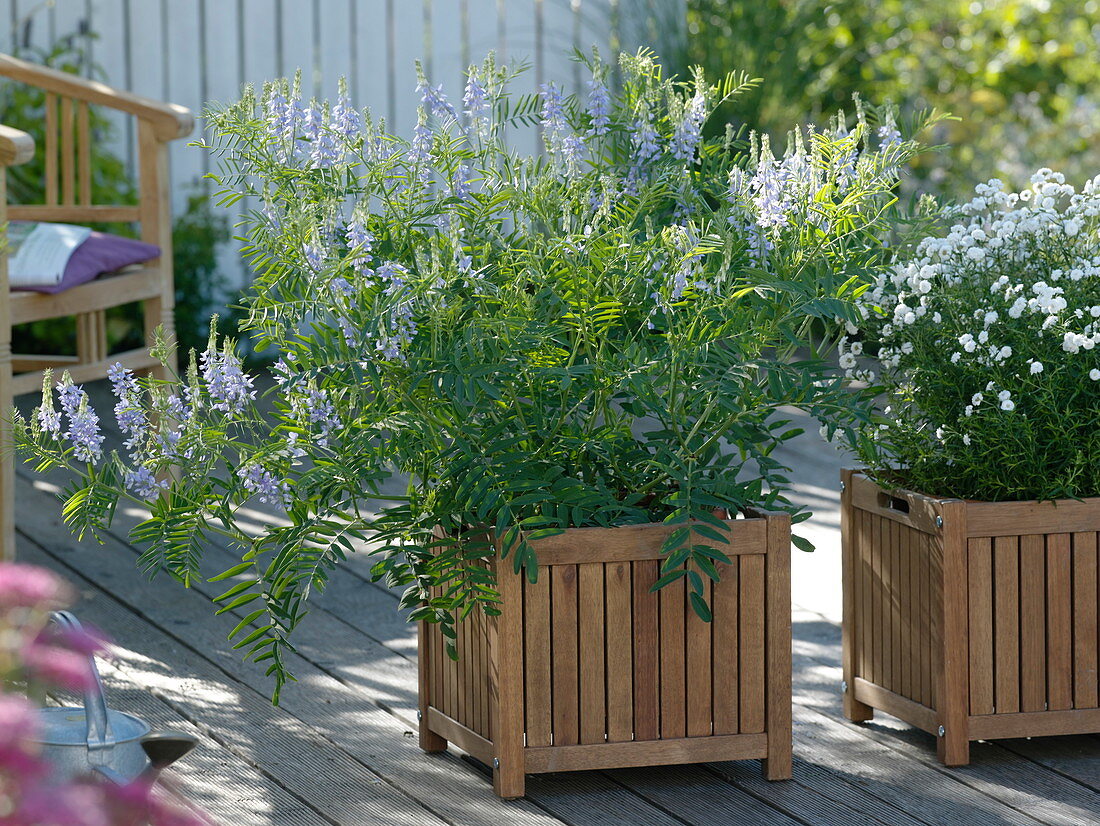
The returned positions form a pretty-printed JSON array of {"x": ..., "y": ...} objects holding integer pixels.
[{"x": 99, "y": 740}]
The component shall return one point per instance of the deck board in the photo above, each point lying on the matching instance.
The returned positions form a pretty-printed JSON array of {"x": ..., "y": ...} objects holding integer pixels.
[{"x": 340, "y": 749}]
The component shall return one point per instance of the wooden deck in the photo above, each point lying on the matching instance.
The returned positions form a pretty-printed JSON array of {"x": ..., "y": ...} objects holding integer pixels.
[{"x": 341, "y": 749}]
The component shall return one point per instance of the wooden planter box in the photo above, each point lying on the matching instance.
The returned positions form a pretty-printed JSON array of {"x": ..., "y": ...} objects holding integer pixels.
[
  {"x": 589, "y": 670},
  {"x": 970, "y": 620}
]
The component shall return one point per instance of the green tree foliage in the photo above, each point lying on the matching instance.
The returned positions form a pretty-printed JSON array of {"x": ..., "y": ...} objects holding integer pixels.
[{"x": 1020, "y": 76}]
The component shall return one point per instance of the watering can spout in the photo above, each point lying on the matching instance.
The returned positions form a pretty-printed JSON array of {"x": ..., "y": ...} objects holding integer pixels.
[{"x": 163, "y": 748}]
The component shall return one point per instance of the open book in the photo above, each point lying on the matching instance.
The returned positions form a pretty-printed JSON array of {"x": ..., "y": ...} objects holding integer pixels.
[{"x": 38, "y": 253}]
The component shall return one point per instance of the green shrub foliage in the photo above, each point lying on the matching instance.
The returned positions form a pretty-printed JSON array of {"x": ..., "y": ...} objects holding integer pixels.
[{"x": 602, "y": 334}]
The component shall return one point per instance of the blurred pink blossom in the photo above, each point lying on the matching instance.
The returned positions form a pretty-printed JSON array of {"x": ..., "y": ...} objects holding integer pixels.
[
  {"x": 26, "y": 586},
  {"x": 57, "y": 666},
  {"x": 57, "y": 658}
]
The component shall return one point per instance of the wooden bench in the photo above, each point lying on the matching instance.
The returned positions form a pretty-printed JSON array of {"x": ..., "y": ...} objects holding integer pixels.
[{"x": 68, "y": 161}]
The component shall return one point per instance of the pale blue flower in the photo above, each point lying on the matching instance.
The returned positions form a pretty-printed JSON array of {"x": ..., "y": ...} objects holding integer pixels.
[
  {"x": 476, "y": 98},
  {"x": 572, "y": 149},
  {"x": 128, "y": 411},
  {"x": 176, "y": 408},
  {"x": 392, "y": 275},
  {"x": 360, "y": 243},
  {"x": 264, "y": 484},
  {"x": 598, "y": 107},
  {"x": 283, "y": 121},
  {"x": 435, "y": 101},
  {"x": 402, "y": 328},
  {"x": 316, "y": 412},
  {"x": 83, "y": 430},
  {"x": 460, "y": 182},
  {"x": 49, "y": 417},
  {"x": 346, "y": 121},
  {"x": 888, "y": 134},
  {"x": 553, "y": 115},
  {"x": 420, "y": 150},
  {"x": 324, "y": 151},
  {"x": 348, "y": 332},
  {"x": 229, "y": 388},
  {"x": 315, "y": 255},
  {"x": 690, "y": 130},
  {"x": 340, "y": 286},
  {"x": 775, "y": 187},
  {"x": 357, "y": 236},
  {"x": 647, "y": 146},
  {"x": 645, "y": 141},
  {"x": 143, "y": 483},
  {"x": 559, "y": 138}
]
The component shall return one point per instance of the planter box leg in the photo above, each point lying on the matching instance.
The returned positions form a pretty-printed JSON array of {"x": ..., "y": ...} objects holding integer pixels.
[
  {"x": 509, "y": 781},
  {"x": 953, "y": 750},
  {"x": 506, "y": 677},
  {"x": 429, "y": 740},
  {"x": 854, "y": 710},
  {"x": 777, "y": 765},
  {"x": 953, "y": 746}
]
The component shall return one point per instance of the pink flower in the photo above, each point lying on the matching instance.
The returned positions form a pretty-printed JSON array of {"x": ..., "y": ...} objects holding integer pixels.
[
  {"x": 57, "y": 666},
  {"x": 25, "y": 586},
  {"x": 87, "y": 641},
  {"x": 18, "y": 721},
  {"x": 76, "y": 804},
  {"x": 18, "y": 731}
]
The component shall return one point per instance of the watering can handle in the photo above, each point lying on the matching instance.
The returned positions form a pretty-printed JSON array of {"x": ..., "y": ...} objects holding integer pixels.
[{"x": 95, "y": 703}]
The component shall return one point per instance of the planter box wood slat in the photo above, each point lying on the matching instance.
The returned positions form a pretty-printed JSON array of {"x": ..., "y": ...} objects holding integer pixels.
[
  {"x": 970, "y": 620},
  {"x": 587, "y": 668}
]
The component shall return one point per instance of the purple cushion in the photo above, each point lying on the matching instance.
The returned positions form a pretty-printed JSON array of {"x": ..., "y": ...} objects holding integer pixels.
[{"x": 100, "y": 253}]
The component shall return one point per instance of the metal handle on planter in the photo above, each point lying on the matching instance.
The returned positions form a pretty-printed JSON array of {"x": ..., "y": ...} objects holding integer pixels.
[{"x": 95, "y": 703}]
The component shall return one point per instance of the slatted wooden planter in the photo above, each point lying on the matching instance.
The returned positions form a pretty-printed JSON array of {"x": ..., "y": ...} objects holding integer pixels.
[
  {"x": 970, "y": 620},
  {"x": 589, "y": 670}
]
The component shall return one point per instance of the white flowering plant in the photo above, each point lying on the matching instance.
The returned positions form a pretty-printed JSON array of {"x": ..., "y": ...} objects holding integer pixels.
[
  {"x": 987, "y": 340},
  {"x": 599, "y": 335}
]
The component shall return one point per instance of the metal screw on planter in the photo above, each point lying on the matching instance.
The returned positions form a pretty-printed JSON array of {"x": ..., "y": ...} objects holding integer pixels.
[{"x": 99, "y": 740}]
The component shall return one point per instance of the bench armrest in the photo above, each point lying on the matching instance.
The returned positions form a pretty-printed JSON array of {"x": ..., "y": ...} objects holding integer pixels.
[
  {"x": 15, "y": 147},
  {"x": 169, "y": 120}
]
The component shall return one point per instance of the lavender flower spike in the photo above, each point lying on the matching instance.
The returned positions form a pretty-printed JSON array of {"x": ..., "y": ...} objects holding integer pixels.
[
  {"x": 420, "y": 151},
  {"x": 49, "y": 418},
  {"x": 83, "y": 430},
  {"x": 553, "y": 115},
  {"x": 264, "y": 484},
  {"x": 346, "y": 121},
  {"x": 690, "y": 130},
  {"x": 128, "y": 411},
  {"x": 230, "y": 389},
  {"x": 143, "y": 483},
  {"x": 599, "y": 107},
  {"x": 433, "y": 99},
  {"x": 360, "y": 243},
  {"x": 475, "y": 101}
]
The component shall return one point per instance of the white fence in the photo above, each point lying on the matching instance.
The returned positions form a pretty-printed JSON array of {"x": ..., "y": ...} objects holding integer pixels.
[{"x": 196, "y": 52}]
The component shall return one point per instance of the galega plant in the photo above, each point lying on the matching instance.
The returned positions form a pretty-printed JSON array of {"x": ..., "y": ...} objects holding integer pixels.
[
  {"x": 599, "y": 335},
  {"x": 987, "y": 337}
]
